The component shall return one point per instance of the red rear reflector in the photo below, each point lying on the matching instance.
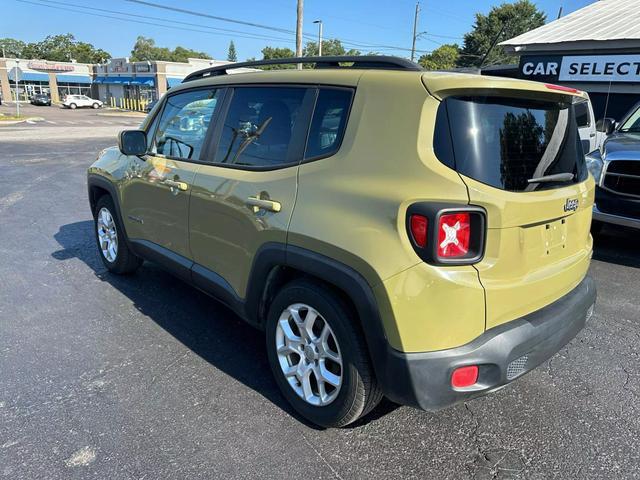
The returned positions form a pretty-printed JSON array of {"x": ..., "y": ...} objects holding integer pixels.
[
  {"x": 464, "y": 376},
  {"x": 454, "y": 232},
  {"x": 561, "y": 88},
  {"x": 419, "y": 230}
]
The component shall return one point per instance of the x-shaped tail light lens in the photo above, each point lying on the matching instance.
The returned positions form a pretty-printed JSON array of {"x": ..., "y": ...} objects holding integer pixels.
[{"x": 454, "y": 233}]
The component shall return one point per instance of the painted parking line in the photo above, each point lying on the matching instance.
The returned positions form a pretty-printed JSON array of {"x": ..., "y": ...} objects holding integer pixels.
[{"x": 50, "y": 121}]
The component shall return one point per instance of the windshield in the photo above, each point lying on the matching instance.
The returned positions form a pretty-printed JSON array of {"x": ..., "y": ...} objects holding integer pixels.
[
  {"x": 632, "y": 124},
  {"x": 506, "y": 142}
]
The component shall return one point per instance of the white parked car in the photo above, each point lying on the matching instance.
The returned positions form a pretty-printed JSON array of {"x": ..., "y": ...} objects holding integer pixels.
[{"x": 78, "y": 101}]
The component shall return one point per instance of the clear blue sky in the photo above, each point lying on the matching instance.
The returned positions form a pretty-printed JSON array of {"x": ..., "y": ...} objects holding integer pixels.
[{"x": 368, "y": 23}]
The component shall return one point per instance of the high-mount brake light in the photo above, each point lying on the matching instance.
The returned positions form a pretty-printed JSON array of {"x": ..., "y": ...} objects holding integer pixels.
[
  {"x": 419, "y": 224},
  {"x": 454, "y": 234},
  {"x": 561, "y": 88}
]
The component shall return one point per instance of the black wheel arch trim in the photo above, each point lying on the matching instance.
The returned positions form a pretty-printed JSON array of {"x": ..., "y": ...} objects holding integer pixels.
[
  {"x": 334, "y": 273},
  {"x": 95, "y": 180}
]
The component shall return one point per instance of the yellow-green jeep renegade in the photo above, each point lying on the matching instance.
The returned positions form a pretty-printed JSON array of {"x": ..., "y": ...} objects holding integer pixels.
[{"x": 422, "y": 236}]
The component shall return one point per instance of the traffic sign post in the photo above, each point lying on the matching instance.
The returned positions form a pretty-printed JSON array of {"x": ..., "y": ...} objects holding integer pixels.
[{"x": 15, "y": 73}]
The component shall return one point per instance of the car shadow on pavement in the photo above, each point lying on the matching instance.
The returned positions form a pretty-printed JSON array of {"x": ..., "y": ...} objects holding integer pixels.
[
  {"x": 617, "y": 245},
  {"x": 199, "y": 322}
]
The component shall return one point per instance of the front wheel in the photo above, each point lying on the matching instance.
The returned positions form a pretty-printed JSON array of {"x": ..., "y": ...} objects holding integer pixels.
[
  {"x": 95, "y": 105},
  {"x": 318, "y": 356},
  {"x": 112, "y": 245}
]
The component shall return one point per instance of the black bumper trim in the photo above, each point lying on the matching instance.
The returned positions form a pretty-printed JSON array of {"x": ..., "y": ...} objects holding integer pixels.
[{"x": 423, "y": 380}]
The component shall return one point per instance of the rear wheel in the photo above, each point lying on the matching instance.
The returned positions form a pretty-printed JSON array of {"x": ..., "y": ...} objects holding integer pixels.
[
  {"x": 112, "y": 244},
  {"x": 73, "y": 106},
  {"x": 318, "y": 356}
]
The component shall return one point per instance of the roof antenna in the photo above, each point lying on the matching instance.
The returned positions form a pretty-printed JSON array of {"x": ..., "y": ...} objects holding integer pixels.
[
  {"x": 606, "y": 107},
  {"x": 559, "y": 12},
  {"x": 493, "y": 44}
]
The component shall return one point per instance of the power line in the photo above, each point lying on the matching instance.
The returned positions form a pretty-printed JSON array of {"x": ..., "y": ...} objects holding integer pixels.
[
  {"x": 214, "y": 17},
  {"x": 267, "y": 27},
  {"x": 247, "y": 34},
  {"x": 242, "y": 35}
]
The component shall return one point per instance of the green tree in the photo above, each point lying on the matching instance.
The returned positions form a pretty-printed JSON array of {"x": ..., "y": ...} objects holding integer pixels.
[
  {"x": 145, "y": 49},
  {"x": 86, "y": 53},
  {"x": 516, "y": 18},
  {"x": 12, "y": 48},
  {"x": 330, "y": 47},
  {"x": 232, "y": 56},
  {"x": 64, "y": 48},
  {"x": 442, "y": 58},
  {"x": 269, "y": 53}
]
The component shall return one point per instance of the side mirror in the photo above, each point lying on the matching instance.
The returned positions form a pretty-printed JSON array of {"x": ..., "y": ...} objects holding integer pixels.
[
  {"x": 132, "y": 142},
  {"x": 606, "y": 125}
]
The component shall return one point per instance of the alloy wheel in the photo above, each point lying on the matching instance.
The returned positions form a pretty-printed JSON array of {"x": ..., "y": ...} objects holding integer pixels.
[
  {"x": 309, "y": 354},
  {"x": 107, "y": 235}
]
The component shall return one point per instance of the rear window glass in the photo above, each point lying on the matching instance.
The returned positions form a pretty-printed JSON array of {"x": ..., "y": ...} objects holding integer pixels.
[
  {"x": 329, "y": 122},
  {"x": 504, "y": 142}
]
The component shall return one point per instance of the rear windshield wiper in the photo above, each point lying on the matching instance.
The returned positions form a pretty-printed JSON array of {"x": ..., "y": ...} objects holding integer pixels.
[{"x": 556, "y": 177}]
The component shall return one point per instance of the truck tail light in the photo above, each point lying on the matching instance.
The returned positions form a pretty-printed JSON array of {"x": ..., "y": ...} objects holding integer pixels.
[
  {"x": 419, "y": 230},
  {"x": 454, "y": 234}
]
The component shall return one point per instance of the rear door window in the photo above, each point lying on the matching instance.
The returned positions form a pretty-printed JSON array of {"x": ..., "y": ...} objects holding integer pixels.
[
  {"x": 504, "y": 142},
  {"x": 258, "y": 130}
]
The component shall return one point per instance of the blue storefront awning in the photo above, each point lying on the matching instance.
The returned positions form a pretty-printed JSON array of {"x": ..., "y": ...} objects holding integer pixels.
[
  {"x": 73, "y": 79},
  {"x": 173, "y": 81},
  {"x": 125, "y": 80},
  {"x": 30, "y": 77}
]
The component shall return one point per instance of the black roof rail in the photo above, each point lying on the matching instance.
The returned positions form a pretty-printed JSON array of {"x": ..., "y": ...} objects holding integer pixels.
[{"x": 379, "y": 62}]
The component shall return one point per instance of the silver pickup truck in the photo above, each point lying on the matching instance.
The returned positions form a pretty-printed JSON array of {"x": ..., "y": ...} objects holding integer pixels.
[{"x": 616, "y": 168}]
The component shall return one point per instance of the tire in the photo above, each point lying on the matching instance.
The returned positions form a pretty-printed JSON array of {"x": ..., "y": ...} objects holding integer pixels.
[
  {"x": 95, "y": 106},
  {"x": 357, "y": 393},
  {"x": 73, "y": 106},
  {"x": 118, "y": 259}
]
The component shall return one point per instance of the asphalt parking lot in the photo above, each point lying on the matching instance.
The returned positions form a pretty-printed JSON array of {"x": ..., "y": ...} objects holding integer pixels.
[{"x": 145, "y": 377}]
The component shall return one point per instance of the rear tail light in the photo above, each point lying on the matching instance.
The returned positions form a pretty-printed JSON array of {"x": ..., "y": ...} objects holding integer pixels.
[
  {"x": 464, "y": 376},
  {"x": 454, "y": 234},
  {"x": 419, "y": 230},
  {"x": 443, "y": 234}
]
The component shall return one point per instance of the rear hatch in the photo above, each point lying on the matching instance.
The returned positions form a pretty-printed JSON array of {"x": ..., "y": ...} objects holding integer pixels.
[{"x": 518, "y": 151}]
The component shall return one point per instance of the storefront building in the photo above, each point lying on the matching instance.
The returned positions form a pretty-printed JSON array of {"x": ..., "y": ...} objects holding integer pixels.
[
  {"x": 145, "y": 81},
  {"x": 595, "y": 49},
  {"x": 39, "y": 76}
]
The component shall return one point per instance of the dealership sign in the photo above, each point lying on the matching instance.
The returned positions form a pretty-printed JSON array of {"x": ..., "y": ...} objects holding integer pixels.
[{"x": 581, "y": 68}]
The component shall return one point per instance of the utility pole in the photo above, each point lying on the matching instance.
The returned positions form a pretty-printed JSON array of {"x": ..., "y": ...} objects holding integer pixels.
[
  {"x": 319, "y": 22},
  {"x": 415, "y": 30},
  {"x": 299, "y": 31}
]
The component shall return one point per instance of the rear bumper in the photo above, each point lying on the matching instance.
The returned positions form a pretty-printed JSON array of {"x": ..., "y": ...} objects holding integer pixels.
[{"x": 503, "y": 354}]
